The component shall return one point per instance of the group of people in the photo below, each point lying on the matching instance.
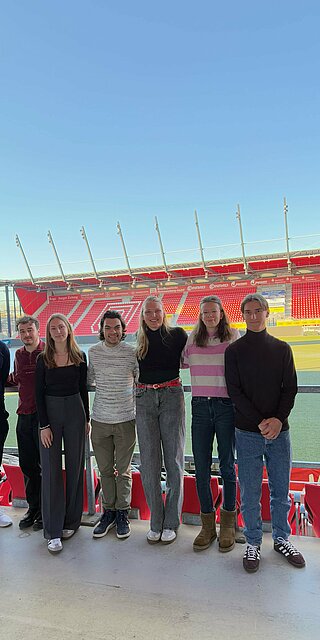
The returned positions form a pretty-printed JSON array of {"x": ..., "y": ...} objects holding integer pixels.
[{"x": 243, "y": 389}]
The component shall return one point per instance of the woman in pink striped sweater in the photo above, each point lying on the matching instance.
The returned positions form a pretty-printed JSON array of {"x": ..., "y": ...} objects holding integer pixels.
[{"x": 212, "y": 415}]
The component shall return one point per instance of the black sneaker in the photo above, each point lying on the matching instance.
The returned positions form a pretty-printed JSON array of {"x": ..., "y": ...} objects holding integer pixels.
[
  {"x": 122, "y": 524},
  {"x": 38, "y": 524},
  {"x": 288, "y": 550},
  {"x": 251, "y": 558},
  {"x": 28, "y": 519},
  {"x": 108, "y": 520}
]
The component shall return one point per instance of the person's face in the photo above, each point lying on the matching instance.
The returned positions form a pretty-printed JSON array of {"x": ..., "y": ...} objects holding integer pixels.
[
  {"x": 211, "y": 314},
  {"x": 112, "y": 331},
  {"x": 29, "y": 334},
  {"x": 58, "y": 331},
  {"x": 153, "y": 315},
  {"x": 255, "y": 316}
]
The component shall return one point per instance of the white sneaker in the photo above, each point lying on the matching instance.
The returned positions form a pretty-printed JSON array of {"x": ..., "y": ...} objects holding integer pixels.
[
  {"x": 168, "y": 536},
  {"x": 55, "y": 545},
  {"x": 5, "y": 521},
  {"x": 67, "y": 533},
  {"x": 153, "y": 536}
]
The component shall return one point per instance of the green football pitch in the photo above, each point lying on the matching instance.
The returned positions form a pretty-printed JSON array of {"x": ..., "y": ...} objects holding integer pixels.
[{"x": 304, "y": 419}]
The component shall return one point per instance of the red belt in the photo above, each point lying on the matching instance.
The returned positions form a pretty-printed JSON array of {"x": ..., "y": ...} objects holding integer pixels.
[{"x": 161, "y": 385}]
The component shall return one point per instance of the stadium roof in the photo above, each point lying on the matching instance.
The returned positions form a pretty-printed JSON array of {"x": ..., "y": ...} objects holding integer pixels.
[{"x": 272, "y": 265}]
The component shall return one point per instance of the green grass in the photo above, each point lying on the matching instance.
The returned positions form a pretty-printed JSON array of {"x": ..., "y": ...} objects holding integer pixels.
[{"x": 304, "y": 419}]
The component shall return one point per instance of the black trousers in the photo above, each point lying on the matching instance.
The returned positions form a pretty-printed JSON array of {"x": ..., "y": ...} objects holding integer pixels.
[
  {"x": 4, "y": 428},
  {"x": 62, "y": 507},
  {"x": 29, "y": 458}
]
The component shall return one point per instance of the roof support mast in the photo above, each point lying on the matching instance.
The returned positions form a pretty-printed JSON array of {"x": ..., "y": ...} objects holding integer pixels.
[
  {"x": 244, "y": 259},
  {"x": 204, "y": 266},
  {"x": 50, "y": 238},
  {"x": 19, "y": 245},
  {"x": 84, "y": 235},
  {"x": 119, "y": 232},
  {"x": 285, "y": 213},
  {"x": 161, "y": 248}
]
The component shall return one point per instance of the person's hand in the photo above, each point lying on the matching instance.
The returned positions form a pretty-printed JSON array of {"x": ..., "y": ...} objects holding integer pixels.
[
  {"x": 46, "y": 437},
  {"x": 270, "y": 428},
  {"x": 88, "y": 427}
]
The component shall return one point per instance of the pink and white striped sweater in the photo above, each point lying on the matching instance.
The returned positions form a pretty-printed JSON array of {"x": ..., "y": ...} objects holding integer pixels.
[{"x": 206, "y": 366}]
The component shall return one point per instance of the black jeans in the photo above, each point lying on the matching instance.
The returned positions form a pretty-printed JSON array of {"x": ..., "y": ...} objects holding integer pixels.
[{"x": 29, "y": 458}]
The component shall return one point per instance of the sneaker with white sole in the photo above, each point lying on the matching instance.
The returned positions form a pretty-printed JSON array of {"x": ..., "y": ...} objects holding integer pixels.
[
  {"x": 68, "y": 533},
  {"x": 55, "y": 545},
  {"x": 107, "y": 522},
  {"x": 123, "y": 529},
  {"x": 291, "y": 554},
  {"x": 5, "y": 521},
  {"x": 168, "y": 536},
  {"x": 153, "y": 536},
  {"x": 251, "y": 558}
]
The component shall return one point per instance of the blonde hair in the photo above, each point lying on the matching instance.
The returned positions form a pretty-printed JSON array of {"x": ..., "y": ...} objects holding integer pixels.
[
  {"x": 142, "y": 338},
  {"x": 74, "y": 354}
]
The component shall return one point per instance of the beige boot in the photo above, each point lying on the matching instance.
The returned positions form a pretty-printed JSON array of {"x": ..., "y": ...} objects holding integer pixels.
[
  {"x": 208, "y": 532},
  {"x": 227, "y": 530}
]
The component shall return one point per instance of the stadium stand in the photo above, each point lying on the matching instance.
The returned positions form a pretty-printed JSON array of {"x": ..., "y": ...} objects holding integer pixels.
[
  {"x": 306, "y": 300},
  {"x": 55, "y": 306},
  {"x": 231, "y": 299}
]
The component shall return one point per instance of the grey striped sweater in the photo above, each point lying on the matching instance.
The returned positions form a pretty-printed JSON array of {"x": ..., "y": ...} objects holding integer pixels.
[{"x": 113, "y": 371}]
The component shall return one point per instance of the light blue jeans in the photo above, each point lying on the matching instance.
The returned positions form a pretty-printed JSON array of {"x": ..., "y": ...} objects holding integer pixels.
[
  {"x": 160, "y": 421},
  {"x": 252, "y": 449}
]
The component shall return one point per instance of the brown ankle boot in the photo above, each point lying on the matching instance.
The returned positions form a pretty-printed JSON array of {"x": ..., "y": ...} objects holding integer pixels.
[
  {"x": 227, "y": 530},
  {"x": 208, "y": 532}
]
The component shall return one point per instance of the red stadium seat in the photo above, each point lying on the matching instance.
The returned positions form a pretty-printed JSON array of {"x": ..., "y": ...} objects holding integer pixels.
[
  {"x": 312, "y": 505},
  {"x": 138, "y": 499},
  {"x": 16, "y": 482},
  {"x": 191, "y": 502},
  {"x": 5, "y": 494}
]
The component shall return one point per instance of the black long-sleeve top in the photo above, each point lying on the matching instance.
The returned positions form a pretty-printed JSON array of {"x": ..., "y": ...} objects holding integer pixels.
[
  {"x": 162, "y": 361},
  {"x": 61, "y": 382},
  {"x": 261, "y": 379}
]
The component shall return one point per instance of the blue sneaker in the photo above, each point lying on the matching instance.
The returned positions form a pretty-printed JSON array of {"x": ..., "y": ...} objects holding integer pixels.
[
  {"x": 108, "y": 520},
  {"x": 122, "y": 523}
]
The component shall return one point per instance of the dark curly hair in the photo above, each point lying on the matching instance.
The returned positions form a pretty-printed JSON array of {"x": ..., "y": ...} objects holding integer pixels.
[{"x": 112, "y": 315}]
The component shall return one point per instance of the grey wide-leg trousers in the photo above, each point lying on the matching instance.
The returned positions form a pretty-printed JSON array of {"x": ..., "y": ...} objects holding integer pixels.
[
  {"x": 62, "y": 507},
  {"x": 160, "y": 423}
]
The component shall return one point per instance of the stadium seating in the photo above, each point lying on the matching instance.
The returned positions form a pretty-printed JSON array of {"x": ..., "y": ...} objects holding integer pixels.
[
  {"x": 55, "y": 306},
  {"x": 312, "y": 505},
  {"x": 306, "y": 300},
  {"x": 230, "y": 297}
]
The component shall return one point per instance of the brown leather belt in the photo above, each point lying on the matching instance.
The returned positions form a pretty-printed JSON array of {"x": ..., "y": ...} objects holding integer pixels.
[{"x": 161, "y": 385}]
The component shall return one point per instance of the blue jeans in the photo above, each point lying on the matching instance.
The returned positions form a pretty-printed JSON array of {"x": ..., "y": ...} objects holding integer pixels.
[
  {"x": 160, "y": 421},
  {"x": 252, "y": 448},
  {"x": 210, "y": 417}
]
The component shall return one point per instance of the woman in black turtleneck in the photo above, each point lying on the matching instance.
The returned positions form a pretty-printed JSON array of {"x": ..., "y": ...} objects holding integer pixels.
[{"x": 160, "y": 418}]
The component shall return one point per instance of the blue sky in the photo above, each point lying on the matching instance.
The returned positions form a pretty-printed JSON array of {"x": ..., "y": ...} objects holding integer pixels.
[{"x": 123, "y": 111}]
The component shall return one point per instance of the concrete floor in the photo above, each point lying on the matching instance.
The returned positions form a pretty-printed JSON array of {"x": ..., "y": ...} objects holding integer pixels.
[{"x": 111, "y": 589}]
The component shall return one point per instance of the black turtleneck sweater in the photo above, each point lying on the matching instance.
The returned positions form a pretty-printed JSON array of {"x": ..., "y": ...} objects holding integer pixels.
[
  {"x": 162, "y": 361},
  {"x": 261, "y": 379}
]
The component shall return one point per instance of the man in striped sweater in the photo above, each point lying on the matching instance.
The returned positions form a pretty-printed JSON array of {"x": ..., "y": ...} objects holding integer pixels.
[{"x": 113, "y": 370}]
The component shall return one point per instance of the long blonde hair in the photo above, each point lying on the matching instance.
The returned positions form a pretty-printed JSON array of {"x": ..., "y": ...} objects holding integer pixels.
[
  {"x": 74, "y": 354},
  {"x": 142, "y": 338}
]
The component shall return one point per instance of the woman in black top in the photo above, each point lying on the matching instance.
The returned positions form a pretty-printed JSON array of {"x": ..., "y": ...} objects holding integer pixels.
[
  {"x": 160, "y": 418},
  {"x": 63, "y": 410}
]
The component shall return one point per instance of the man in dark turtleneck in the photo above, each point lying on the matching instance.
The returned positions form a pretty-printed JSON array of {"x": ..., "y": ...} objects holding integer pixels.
[{"x": 262, "y": 383}]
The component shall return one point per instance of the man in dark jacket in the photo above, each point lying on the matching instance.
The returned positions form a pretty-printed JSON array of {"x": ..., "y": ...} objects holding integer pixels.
[
  {"x": 262, "y": 383},
  {"x": 28, "y": 424}
]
